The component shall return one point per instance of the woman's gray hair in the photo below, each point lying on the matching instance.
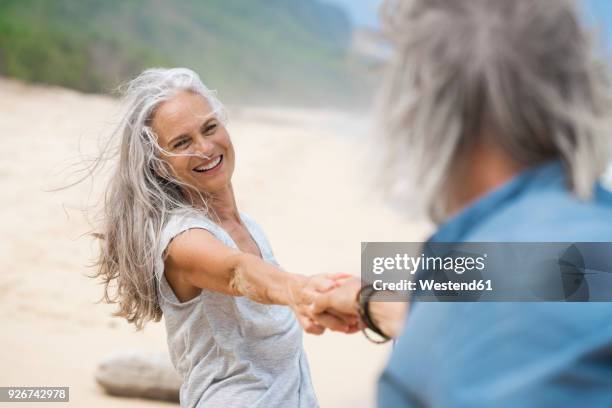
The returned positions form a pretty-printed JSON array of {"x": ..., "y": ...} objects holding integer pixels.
[
  {"x": 141, "y": 193},
  {"x": 522, "y": 70}
]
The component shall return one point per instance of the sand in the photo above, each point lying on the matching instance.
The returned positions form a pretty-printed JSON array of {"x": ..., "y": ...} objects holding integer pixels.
[{"x": 303, "y": 174}]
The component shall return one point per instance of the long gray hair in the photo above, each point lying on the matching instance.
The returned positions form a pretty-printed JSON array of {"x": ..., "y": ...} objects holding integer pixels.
[
  {"x": 141, "y": 193},
  {"x": 524, "y": 69}
]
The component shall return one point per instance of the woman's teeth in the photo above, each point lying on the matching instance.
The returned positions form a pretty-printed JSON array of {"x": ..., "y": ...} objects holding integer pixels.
[{"x": 209, "y": 166}]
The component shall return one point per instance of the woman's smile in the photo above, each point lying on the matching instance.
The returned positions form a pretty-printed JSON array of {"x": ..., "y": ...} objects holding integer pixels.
[{"x": 211, "y": 166}]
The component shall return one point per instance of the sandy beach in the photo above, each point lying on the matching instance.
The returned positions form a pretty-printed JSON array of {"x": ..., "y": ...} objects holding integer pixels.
[{"x": 304, "y": 175}]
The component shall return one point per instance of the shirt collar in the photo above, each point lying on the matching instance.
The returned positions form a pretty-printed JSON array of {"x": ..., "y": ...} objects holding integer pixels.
[{"x": 457, "y": 227}]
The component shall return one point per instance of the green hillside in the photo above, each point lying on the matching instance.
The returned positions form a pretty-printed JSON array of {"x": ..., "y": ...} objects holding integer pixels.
[{"x": 250, "y": 50}]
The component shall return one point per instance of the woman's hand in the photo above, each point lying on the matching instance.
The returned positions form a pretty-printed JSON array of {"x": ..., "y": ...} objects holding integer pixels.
[
  {"x": 340, "y": 302},
  {"x": 304, "y": 293}
]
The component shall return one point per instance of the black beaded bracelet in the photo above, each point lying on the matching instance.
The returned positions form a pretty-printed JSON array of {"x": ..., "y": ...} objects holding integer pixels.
[{"x": 363, "y": 300}]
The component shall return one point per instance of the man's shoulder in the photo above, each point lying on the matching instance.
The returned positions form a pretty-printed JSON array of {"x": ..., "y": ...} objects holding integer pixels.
[{"x": 549, "y": 216}]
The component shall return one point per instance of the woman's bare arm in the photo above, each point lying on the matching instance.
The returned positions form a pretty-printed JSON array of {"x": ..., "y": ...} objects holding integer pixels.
[{"x": 196, "y": 258}]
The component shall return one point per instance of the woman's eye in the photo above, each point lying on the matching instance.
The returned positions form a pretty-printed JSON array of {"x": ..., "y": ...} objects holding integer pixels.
[
  {"x": 210, "y": 128},
  {"x": 181, "y": 143}
]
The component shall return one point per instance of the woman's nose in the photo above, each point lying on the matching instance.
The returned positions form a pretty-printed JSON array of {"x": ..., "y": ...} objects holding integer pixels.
[{"x": 204, "y": 147}]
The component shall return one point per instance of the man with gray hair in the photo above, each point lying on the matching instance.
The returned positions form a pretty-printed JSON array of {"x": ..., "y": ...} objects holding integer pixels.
[{"x": 499, "y": 114}]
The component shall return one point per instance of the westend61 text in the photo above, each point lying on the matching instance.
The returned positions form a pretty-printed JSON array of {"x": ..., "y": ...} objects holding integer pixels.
[{"x": 429, "y": 284}]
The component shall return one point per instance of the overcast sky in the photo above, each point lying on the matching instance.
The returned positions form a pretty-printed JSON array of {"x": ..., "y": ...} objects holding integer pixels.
[
  {"x": 364, "y": 12},
  {"x": 599, "y": 12}
]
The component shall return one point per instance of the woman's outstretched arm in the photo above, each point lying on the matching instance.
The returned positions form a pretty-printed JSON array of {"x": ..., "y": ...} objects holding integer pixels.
[{"x": 197, "y": 260}]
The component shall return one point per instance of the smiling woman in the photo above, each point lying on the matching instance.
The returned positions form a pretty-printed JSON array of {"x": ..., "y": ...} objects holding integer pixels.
[
  {"x": 174, "y": 243},
  {"x": 195, "y": 144}
]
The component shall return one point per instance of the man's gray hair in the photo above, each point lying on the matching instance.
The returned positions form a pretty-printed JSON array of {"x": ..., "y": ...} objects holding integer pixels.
[{"x": 522, "y": 70}]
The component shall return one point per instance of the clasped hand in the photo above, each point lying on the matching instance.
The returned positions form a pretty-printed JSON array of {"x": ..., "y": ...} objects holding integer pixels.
[{"x": 327, "y": 301}]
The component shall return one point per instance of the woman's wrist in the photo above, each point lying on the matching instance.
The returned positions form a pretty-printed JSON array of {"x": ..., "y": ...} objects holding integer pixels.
[{"x": 289, "y": 292}]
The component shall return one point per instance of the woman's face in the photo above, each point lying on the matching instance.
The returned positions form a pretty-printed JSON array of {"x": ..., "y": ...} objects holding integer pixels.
[{"x": 185, "y": 125}]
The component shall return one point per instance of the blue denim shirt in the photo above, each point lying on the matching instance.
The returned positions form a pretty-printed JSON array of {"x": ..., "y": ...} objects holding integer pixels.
[{"x": 510, "y": 354}]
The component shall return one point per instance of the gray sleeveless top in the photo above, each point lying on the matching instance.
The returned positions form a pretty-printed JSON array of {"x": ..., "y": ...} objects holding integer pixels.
[{"x": 231, "y": 351}]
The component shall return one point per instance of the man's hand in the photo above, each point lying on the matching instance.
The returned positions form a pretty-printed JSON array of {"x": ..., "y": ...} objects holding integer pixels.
[{"x": 341, "y": 302}]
